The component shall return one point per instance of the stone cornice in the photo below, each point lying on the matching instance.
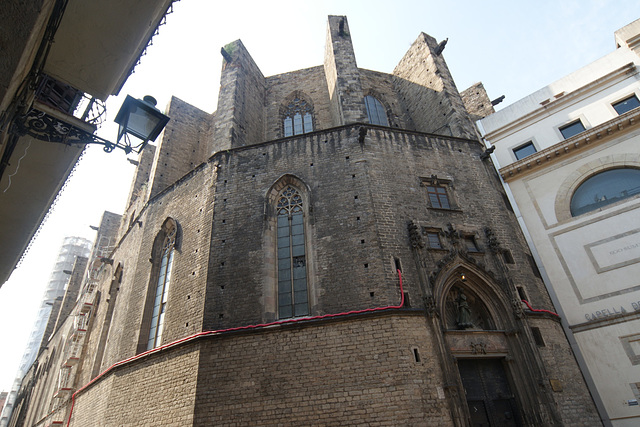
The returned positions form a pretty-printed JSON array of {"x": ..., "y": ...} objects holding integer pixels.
[
  {"x": 561, "y": 100},
  {"x": 596, "y": 135}
]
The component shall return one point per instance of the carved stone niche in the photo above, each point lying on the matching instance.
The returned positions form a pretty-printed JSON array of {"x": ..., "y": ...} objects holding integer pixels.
[
  {"x": 464, "y": 310},
  {"x": 476, "y": 343}
]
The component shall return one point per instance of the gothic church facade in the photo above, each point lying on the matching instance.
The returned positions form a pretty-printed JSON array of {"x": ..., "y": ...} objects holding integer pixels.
[{"x": 332, "y": 246}]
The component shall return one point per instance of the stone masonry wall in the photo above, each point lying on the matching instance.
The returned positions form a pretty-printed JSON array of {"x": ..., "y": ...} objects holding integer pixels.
[
  {"x": 429, "y": 92},
  {"x": 362, "y": 197},
  {"x": 572, "y": 399},
  {"x": 381, "y": 86},
  {"x": 312, "y": 83},
  {"x": 477, "y": 102},
  {"x": 71, "y": 293},
  {"x": 158, "y": 390},
  {"x": 188, "y": 203},
  {"x": 356, "y": 371},
  {"x": 241, "y": 101},
  {"x": 343, "y": 78},
  {"x": 186, "y": 142}
]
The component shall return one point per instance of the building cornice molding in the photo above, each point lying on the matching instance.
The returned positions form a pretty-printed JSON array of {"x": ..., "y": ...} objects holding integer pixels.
[
  {"x": 594, "y": 136},
  {"x": 551, "y": 105}
]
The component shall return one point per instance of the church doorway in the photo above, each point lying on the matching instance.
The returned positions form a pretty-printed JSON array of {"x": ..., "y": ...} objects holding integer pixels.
[{"x": 489, "y": 398}]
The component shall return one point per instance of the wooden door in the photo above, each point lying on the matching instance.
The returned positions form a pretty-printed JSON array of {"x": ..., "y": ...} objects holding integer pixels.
[{"x": 489, "y": 397}]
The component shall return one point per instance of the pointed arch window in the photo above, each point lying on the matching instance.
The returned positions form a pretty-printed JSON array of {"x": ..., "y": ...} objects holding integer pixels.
[
  {"x": 162, "y": 288},
  {"x": 298, "y": 117},
  {"x": 293, "y": 295},
  {"x": 375, "y": 111}
]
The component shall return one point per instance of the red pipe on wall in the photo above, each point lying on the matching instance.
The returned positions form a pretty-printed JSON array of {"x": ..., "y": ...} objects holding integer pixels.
[
  {"x": 239, "y": 328},
  {"x": 541, "y": 311}
]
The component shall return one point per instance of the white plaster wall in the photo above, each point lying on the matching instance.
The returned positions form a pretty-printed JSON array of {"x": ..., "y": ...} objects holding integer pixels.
[{"x": 612, "y": 369}]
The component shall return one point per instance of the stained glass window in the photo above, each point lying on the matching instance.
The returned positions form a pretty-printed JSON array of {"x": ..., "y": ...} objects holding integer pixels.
[
  {"x": 298, "y": 118},
  {"x": 293, "y": 299},
  {"x": 375, "y": 111},
  {"x": 162, "y": 290}
]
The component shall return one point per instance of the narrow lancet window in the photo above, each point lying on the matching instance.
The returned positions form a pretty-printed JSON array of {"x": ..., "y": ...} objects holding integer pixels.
[
  {"x": 162, "y": 290},
  {"x": 293, "y": 299},
  {"x": 375, "y": 111}
]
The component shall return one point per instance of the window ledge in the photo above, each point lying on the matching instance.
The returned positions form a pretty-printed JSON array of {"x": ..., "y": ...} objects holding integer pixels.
[{"x": 445, "y": 210}]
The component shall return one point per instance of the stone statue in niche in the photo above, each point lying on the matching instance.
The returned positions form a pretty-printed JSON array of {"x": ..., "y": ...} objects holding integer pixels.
[{"x": 464, "y": 312}]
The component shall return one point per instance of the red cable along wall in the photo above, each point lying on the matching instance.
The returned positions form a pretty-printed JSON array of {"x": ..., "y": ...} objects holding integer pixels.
[{"x": 539, "y": 311}]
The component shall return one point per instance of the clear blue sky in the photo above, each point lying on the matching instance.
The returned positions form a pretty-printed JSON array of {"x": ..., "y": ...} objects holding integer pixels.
[{"x": 513, "y": 47}]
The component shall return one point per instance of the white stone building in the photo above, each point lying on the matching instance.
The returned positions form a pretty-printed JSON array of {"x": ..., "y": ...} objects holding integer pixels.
[{"x": 569, "y": 157}]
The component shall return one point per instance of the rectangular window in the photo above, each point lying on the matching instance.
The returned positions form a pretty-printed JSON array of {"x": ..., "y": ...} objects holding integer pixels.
[
  {"x": 572, "y": 129},
  {"x": 524, "y": 150},
  {"x": 438, "y": 197},
  {"x": 297, "y": 124},
  {"x": 433, "y": 240},
  {"x": 288, "y": 127},
  {"x": 626, "y": 104},
  {"x": 292, "y": 271},
  {"x": 308, "y": 123},
  {"x": 470, "y": 243}
]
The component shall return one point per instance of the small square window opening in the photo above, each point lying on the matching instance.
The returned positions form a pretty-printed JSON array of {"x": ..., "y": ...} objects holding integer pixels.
[
  {"x": 572, "y": 129},
  {"x": 470, "y": 244},
  {"x": 524, "y": 150},
  {"x": 433, "y": 240},
  {"x": 626, "y": 104}
]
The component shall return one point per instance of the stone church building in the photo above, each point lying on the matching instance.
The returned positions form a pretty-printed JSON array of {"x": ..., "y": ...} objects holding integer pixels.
[{"x": 332, "y": 246}]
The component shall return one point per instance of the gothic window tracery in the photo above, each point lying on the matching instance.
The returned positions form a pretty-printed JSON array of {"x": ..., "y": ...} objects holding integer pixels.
[
  {"x": 293, "y": 298},
  {"x": 297, "y": 117}
]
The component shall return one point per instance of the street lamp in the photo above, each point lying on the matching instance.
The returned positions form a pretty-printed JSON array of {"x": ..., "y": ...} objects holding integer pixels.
[
  {"x": 141, "y": 119},
  {"x": 137, "y": 117}
]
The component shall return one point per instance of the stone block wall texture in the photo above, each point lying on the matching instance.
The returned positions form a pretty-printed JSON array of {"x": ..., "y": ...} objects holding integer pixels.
[
  {"x": 309, "y": 83},
  {"x": 477, "y": 102},
  {"x": 424, "y": 81},
  {"x": 381, "y": 86},
  {"x": 240, "y": 114},
  {"x": 35, "y": 404},
  {"x": 357, "y": 371},
  {"x": 142, "y": 175},
  {"x": 576, "y": 405},
  {"x": 185, "y": 144},
  {"x": 71, "y": 293},
  {"x": 158, "y": 391},
  {"x": 56, "y": 305},
  {"x": 343, "y": 77},
  {"x": 361, "y": 197}
]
